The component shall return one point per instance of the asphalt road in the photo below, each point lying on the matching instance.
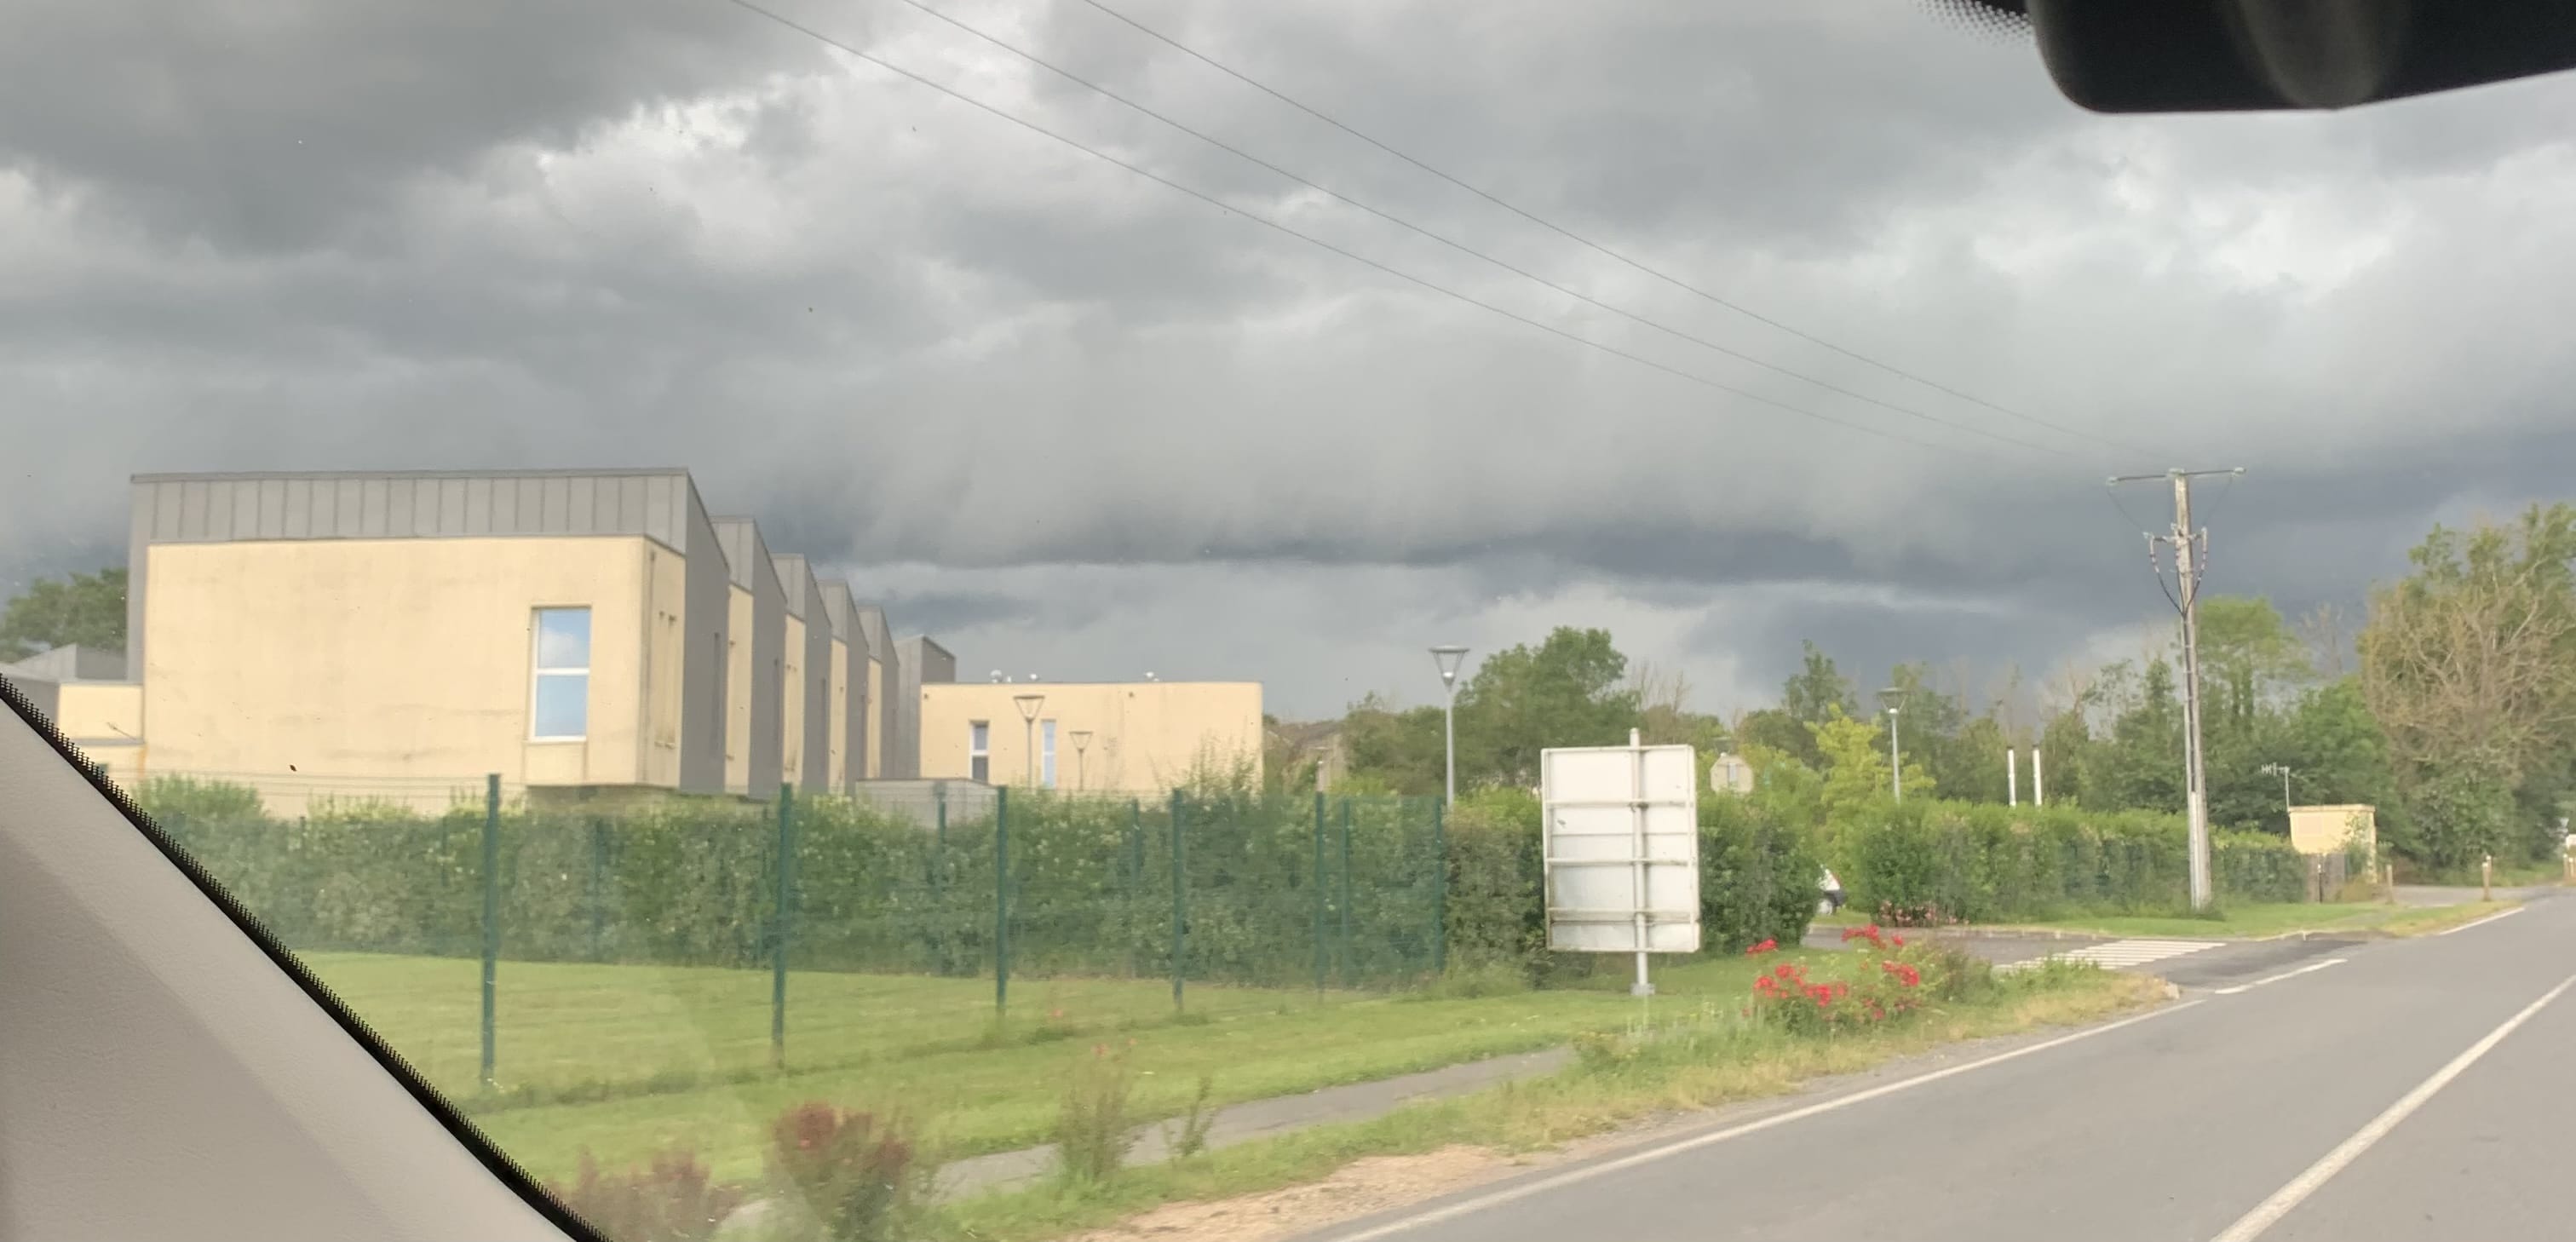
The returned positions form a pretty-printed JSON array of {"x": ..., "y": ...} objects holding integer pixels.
[{"x": 2398, "y": 1090}]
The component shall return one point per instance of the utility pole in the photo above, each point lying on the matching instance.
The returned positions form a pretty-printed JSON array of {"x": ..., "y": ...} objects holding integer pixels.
[
  {"x": 1894, "y": 698},
  {"x": 2191, "y": 548}
]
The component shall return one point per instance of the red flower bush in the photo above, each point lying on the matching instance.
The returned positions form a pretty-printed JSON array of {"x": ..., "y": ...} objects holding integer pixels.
[
  {"x": 1767, "y": 946},
  {"x": 1790, "y": 997}
]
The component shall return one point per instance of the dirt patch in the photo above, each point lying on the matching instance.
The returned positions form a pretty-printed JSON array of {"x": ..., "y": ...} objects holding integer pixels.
[{"x": 1359, "y": 1188}]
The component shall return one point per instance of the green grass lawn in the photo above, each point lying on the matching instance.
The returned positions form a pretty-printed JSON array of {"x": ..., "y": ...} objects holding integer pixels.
[{"x": 627, "y": 1060}]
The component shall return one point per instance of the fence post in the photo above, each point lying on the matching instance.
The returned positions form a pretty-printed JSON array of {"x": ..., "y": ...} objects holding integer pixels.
[
  {"x": 779, "y": 923},
  {"x": 598, "y": 877},
  {"x": 1439, "y": 889},
  {"x": 939, "y": 963},
  {"x": 1135, "y": 870},
  {"x": 491, "y": 914},
  {"x": 1001, "y": 901},
  {"x": 1319, "y": 891},
  {"x": 1350, "y": 966},
  {"x": 1180, "y": 899}
]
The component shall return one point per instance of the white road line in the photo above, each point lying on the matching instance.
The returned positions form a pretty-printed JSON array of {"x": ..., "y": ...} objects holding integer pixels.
[
  {"x": 2500, "y": 914},
  {"x": 2270, "y": 1211},
  {"x": 2287, "y": 974},
  {"x": 1511, "y": 1194}
]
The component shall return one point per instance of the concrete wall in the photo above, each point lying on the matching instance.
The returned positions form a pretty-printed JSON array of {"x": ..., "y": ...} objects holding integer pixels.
[
  {"x": 705, "y": 624},
  {"x": 393, "y": 658},
  {"x": 229, "y": 508},
  {"x": 1147, "y": 737},
  {"x": 2323, "y": 829},
  {"x": 849, "y": 677},
  {"x": 809, "y": 691},
  {"x": 921, "y": 662},
  {"x": 885, "y": 705},
  {"x": 759, "y": 649}
]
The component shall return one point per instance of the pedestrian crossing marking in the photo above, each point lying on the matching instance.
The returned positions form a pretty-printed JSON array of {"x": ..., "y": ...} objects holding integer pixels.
[{"x": 2123, "y": 954}]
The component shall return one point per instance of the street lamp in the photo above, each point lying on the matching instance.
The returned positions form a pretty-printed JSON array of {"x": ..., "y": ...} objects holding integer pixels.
[
  {"x": 1029, "y": 705},
  {"x": 1449, "y": 658},
  {"x": 1081, "y": 743},
  {"x": 1894, "y": 698},
  {"x": 2281, "y": 770}
]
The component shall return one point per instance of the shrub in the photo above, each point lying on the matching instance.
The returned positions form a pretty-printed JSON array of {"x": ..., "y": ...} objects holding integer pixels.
[
  {"x": 669, "y": 1199},
  {"x": 845, "y": 1176},
  {"x": 1928, "y": 863},
  {"x": 1095, "y": 1128},
  {"x": 1873, "y": 985},
  {"x": 1192, "y": 1137}
]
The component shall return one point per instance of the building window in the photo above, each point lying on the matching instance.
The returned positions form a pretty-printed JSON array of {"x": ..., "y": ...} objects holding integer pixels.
[
  {"x": 979, "y": 751},
  {"x": 1046, "y": 754},
  {"x": 559, "y": 702}
]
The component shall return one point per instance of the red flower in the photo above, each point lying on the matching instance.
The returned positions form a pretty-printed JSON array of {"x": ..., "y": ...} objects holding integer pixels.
[
  {"x": 1762, "y": 948},
  {"x": 1784, "y": 970},
  {"x": 1900, "y": 941}
]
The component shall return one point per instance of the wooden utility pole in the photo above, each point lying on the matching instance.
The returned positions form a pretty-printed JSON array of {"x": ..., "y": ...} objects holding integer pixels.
[{"x": 2191, "y": 548}]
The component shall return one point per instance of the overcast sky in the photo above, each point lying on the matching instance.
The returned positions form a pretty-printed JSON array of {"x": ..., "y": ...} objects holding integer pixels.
[{"x": 1079, "y": 424}]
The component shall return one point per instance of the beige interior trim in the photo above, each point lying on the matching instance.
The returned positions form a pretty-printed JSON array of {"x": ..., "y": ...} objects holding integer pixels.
[{"x": 162, "y": 1078}]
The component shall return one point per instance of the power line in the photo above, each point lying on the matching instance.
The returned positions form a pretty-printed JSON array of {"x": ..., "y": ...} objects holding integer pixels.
[
  {"x": 1597, "y": 247},
  {"x": 1460, "y": 247},
  {"x": 1310, "y": 239}
]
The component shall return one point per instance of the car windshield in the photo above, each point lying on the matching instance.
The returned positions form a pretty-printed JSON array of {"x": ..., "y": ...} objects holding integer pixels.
[{"x": 994, "y": 619}]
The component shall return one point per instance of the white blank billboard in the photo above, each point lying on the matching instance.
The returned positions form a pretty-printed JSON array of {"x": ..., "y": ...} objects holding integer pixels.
[{"x": 1622, "y": 838}]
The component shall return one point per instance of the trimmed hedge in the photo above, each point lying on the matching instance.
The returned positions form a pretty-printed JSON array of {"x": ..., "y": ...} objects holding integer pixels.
[
  {"x": 1271, "y": 892},
  {"x": 1933, "y": 861},
  {"x": 1757, "y": 882}
]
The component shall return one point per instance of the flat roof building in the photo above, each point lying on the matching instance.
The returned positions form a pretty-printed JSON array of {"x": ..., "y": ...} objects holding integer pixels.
[{"x": 562, "y": 628}]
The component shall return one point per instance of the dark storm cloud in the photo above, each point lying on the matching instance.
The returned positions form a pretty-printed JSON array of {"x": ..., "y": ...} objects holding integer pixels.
[
  {"x": 282, "y": 235},
  {"x": 267, "y": 124}
]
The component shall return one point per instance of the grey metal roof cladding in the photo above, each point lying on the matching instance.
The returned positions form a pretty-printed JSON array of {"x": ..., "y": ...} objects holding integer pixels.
[
  {"x": 395, "y": 504},
  {"x": 746, "y": 553},
  {"x": 837, "y": 605},
  {"x": 872, "y": 619},
  {"x": 797, "y": 578}
]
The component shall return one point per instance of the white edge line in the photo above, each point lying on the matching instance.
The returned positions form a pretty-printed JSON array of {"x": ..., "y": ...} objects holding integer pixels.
[
  {"x": 2500, "y": 914},
  {"x": 2287, "y": 974},
  {"x": 2269, "y": 1212},
  {"x": 1695, "y": 1142}
]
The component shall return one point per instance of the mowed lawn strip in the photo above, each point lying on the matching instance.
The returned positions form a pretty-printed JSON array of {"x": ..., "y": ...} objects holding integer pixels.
[
  {"x": 594, "y": 1032},
  {"x": 924, "y": 1046}
]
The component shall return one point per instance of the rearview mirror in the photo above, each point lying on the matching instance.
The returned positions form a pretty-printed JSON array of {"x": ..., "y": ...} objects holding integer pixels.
[{"x": 2253, "y": 55}]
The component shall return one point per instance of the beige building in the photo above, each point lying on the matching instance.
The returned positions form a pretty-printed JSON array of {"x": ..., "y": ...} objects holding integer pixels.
[
  {"x": 2324, "y": 829},
  {"x": 1118, "y": 737},
  {"x": 378, "y": 633}
]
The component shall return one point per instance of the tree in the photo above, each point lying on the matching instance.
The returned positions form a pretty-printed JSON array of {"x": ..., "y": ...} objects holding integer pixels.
[
  {"x": 2140, "y": 764},
  {"x": 2469, "y": 664},
  {"x": 1928, "y": 726},
  {"x": 87, "y": 609},
  {"x": 1399, "y": 750},
  {"x": 1567, "y": 691},
  {"x": 1817, "y": 690},
  {"x": 1811, "y": 696},
  {"x": 1776, "y": 730},
  {"x": 1856, "y": 769},
  {"x": 2248, "y": 656}
]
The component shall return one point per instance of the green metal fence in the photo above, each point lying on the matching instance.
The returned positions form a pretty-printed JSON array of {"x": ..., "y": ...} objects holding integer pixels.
[{"x": 956, "y": 881}]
